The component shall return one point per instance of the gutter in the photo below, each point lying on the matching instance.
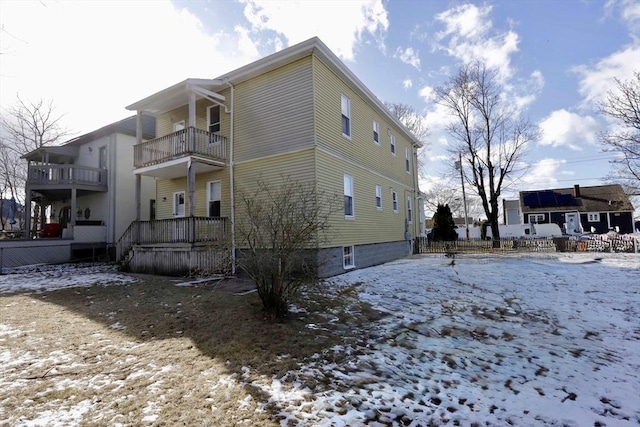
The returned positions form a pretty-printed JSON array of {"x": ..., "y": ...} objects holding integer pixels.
[{"x": 231, "y": 183}]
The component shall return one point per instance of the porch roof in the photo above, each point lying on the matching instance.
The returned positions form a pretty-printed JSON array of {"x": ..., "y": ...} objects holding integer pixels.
[
  {"x": 58, "y": 154},
  {"x": 178, "y": 95}
]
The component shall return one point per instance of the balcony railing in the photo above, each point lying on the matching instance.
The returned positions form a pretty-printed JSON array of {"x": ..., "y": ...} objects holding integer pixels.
[
  {"x": 189, "y": 141},
  {"x": 174, "y": 230},
  {"x": 66, "y": 174}
]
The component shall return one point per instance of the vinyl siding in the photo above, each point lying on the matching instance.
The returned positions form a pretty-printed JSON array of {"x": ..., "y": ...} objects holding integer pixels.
[
  {"x": 369, "y": 224},
  {"x": 361, "y": 148},
  {"x": 166, "y": 188},
  {"x": 274, "y": 112}
]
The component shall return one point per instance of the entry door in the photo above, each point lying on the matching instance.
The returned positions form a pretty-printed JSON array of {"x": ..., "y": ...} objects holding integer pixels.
[
  {"x": 179, "y": 141},
  {"x": 573, "y": 222},
  {"x": 178, "y": 213}
]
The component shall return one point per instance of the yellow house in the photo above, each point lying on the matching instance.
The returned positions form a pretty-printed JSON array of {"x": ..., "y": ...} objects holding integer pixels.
[{"x": 299, "y": 112}]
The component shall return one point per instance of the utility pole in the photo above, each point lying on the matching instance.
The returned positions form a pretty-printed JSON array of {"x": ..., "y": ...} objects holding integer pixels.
[{"x": 464, "y": 196}]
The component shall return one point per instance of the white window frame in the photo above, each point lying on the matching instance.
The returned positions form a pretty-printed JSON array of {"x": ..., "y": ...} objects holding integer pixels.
[
  {"x": 348, "y": 257},
  {"x": 407, "y": 161},
  {"x": 345, "y": 107},
  {"x": 593, "y": 217},
  {"x": 409, "y": 210},
  {"x": 379, "y": 197},
  {"x": 348, "y": 192},
  {"x": 215, "y": 135},
  {"x": 176, "y": 196},
  {"x": 536, "y": 218},
  {"x": 392, "y": 142},
  {"x": 103, "y": 160},
  {"x": 394, "y": 200},
  {"x": 376, "y": 132},
  {"x": 210, "y": 199}
]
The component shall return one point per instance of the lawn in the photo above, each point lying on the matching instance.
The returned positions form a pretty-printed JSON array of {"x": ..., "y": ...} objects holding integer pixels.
[{"x": 546, "y": 340}]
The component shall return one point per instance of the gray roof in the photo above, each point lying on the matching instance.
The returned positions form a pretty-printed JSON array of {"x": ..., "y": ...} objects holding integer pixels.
[{"x": 600, "y": 198}]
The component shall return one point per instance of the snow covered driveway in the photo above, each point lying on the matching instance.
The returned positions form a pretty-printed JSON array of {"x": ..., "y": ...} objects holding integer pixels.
[{"x": 551, "y": 340}]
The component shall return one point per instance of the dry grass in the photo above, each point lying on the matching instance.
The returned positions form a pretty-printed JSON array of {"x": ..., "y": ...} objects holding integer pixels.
[{"x": 154, "y": 353}]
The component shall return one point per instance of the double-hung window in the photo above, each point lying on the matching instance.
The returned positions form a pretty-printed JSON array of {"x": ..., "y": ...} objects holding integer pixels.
[
  {"x": 348, "y": 196},
  {"x": 379, "y": 197},
  {"x": 392, "y": 141},
  {"x": 394, "y": 200},
  {"x": 376, "y": 132},
  {"x": 346, "y": 116},
  {"x": 347, "y": 257},
  {"x": 409, "y": 210},
  {"x": 214, "y": 195},
  {"x": 593, "y": 217},
  {"x": 407, "y": 159}
]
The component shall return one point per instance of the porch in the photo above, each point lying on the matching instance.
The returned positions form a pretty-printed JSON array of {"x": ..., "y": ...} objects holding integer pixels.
[
  {"x": 185, "y": 142},
  {"x": 63, "y": 177},
  {"x": 176, "y": 246}
]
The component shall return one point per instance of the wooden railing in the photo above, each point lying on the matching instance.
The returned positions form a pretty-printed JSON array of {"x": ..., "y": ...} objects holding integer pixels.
[
  {"x": 179, "y": 144},
  {"x": 175, "y": 230},
  {"x": 66, "y": 174}
]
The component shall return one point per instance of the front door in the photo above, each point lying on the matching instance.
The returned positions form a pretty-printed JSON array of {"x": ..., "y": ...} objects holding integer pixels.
[
  {"x": 178, "y": 214},
  {"x": 572, "y": 220},
  {"x": 179, "y": 140}
]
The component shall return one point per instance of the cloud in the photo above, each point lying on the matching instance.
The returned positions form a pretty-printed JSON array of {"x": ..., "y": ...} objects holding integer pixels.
[
  {"x": 563, "y": 128},
  {"x": 542, "y": 174},
  {"x": 531, "y": 88},
  {"x": 94, "y": 58},
  {"x": 595, "y": 81},
  {"x": 468, "y": 36},
  {"x": 408, "y": 56},
  {"x": 407, "y": 83},
  {"x": 351, "y": 22},
  {"x": 629, "y": 11},
  {"x": 427, "y": 93}
]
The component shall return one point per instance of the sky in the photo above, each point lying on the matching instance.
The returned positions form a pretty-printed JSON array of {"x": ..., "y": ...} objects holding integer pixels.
[
  {"x": 542, "y": 339},
  {"x": 557, "y": 60}
]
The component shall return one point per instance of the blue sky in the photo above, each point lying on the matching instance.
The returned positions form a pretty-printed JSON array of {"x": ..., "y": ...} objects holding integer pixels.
[{"x": 558, "y": 59}]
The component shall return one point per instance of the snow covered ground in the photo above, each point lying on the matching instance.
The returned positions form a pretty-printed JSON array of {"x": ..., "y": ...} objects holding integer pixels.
[{"x": 549, "y": 340}]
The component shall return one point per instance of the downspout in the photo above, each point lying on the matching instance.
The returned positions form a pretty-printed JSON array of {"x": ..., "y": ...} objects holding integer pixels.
[{"x": 231, "y": 184}]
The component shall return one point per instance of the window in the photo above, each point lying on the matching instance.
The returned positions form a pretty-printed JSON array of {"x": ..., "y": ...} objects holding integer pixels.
[
  {"x": 407, "y": 161},
  {"x": 214, "y": 194},
  {"x": 379, "y": 197},
  {"x": 376, "y": 132},
  {"x": 392, "y": 140},
  {"x": 347, "y": 257},
  {"x": 346, "y": 116},
  {"x": 348, "y": 196},
  {"x": 152, "y": 209},
  {"x": 394, "y": 199},
  {"x": 593, "y": 217},
  {"x": 102, "y": 157},
  {"x": 409, "y": 210},
  {"x": 536, "y": 218}
]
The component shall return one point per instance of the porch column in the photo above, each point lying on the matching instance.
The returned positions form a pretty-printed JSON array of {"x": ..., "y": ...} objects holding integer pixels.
[
  {"x": 73, "y": 215},
  {"x": 27, "y": 213},
  {"x": 138, "y": 177},
  {"x": 191, "y": 134},
  {"x": 43, "y": 212},
  {"x": 191, "y": 186}
]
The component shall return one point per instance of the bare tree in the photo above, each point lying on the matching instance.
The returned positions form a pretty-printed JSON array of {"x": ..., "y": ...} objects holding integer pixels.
[
  {"x": 487, "y": 131},
  {"x": 623, "y": 106},
  {"x": 280, "y": 226},
  {"x": 409, "y": 117},
  {"x": 26, "y": 127}
]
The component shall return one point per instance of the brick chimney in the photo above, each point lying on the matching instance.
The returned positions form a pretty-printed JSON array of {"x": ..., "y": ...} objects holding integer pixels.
[{"x": 576, "y": 190}]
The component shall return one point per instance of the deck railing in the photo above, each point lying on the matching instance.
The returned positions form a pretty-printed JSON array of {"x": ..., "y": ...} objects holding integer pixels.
[
  {"x": 174, "y": 230},
  {"x": 66, "y": 174},
  {"x": 178, "y": 144}
]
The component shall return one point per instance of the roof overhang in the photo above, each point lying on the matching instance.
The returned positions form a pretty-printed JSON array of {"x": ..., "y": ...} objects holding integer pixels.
[
  {"x": 58, "y": 154},
  {"x": 178, "y": 95}
]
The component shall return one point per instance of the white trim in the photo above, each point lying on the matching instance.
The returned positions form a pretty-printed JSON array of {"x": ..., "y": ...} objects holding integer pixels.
[
  {"x": 535, "y": 216},
  {"x": 376, "y": 132},
  {"x": 410, "y": 212},
  {"x": 219, "y": 118},
  {"x": 593, "y": 216},
  {"x": 392, "y": 142},
  {"x": 407, "y": 160},
  {"x": 379, "y": 196}
]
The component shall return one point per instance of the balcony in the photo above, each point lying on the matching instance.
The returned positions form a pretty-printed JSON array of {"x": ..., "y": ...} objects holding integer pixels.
[
  {"x": 164, "y": 156},
  {"x": 63, "y": 177}
]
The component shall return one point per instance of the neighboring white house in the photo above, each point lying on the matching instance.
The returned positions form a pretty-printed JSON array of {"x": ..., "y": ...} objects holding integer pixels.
[{"x": 85, "y": 188}]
